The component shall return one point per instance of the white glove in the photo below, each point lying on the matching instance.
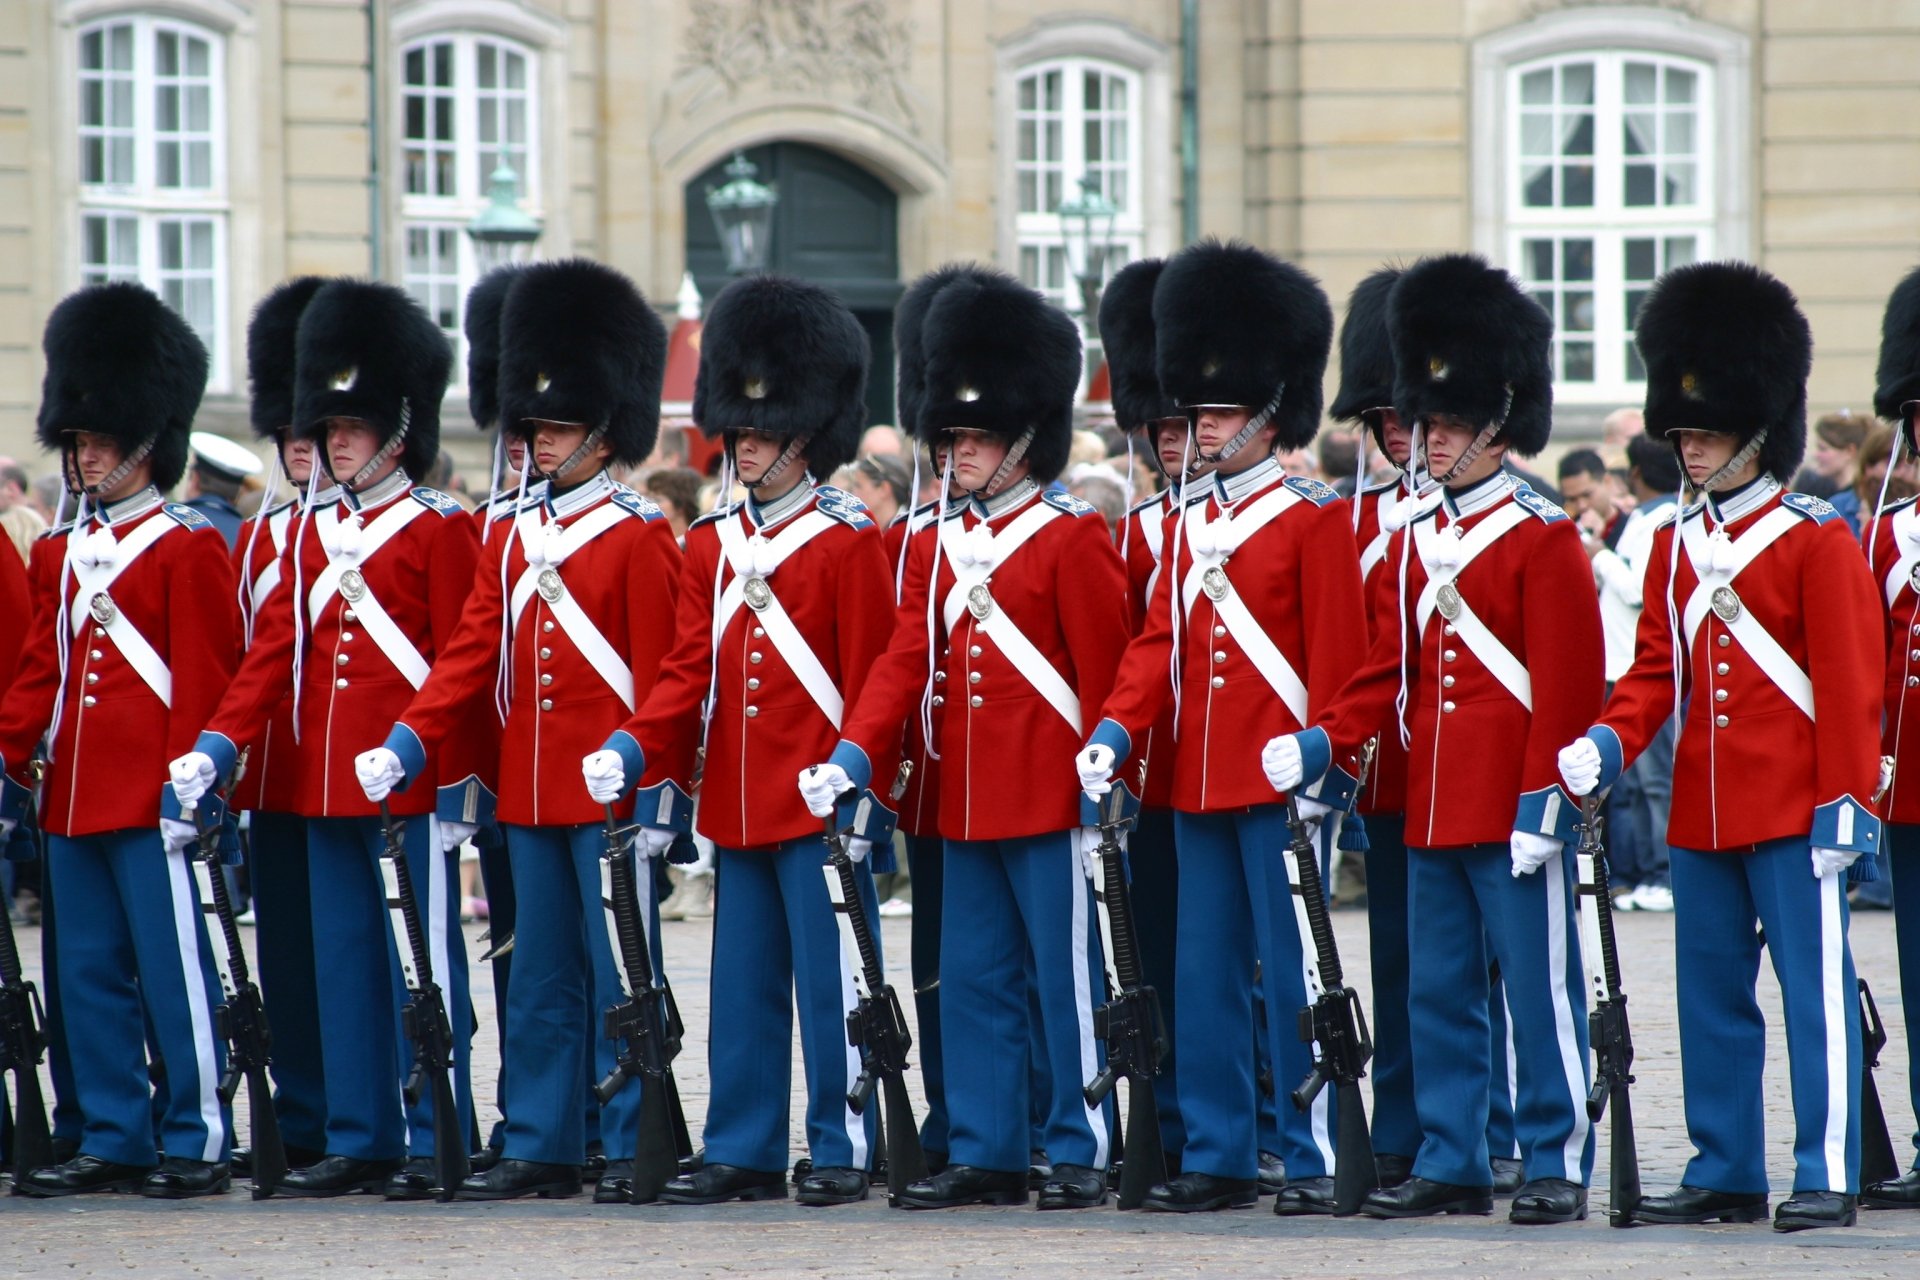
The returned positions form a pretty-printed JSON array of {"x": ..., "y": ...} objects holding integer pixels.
[
  {"x": 857, "y": 849},
  {"x": 606, "y": 775},
  {"x": 1531, "y": 851},
  {"x": 6, "y": 828},
  {"x": 379, "y": 773},
  {"x": 1827, "y": 862},
  {"x": 1281, "y": 761},
  {"x": 452, "y": 834},
  {"x": 1580, "y": 766},
  {"x": 1095, "y": 765},
  {"x": 1886, "y": 775},
  {"x": 821, "y": 785},
  {"x": 193, "y": 776},
  {"x": 177, "y": 835},
  {"x": 1086, "y": 842},
  {"x": 652, "y": 842}
]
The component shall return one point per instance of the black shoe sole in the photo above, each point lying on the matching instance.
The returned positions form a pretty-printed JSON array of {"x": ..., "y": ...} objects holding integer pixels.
[
  {"x": 220, "y": 1188},
  {"x": 1543, "y": 1218},
  {"x": 371, "y": 1186},
  {"x": 123, "y": 1186},
  {"x": 778, "y": 1192},
  {"x": 1452, "y": 1208},
  {"x": 1872, "y": 1202},
  {"x": 1810, "y": 1224},
  {"x": 1002, "y": 1199},
  {"x": 410, "y": 1196},
  {"x": 1233, "y": 1200},
  {"x": 1744, "y": 1213},
  {"x": 1285, "y": 1208},
  {"x": 544, "y": 1190},
  {"x": 1069, "y": 1202},
  {"x": 826, "y": 1199}
]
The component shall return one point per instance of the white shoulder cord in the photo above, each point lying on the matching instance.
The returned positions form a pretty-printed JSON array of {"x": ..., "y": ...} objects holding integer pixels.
[
  {"x": 1179, "y": 618},
  {"x": 933, "y": 595},
  {"x": 503, "y": 673},
  {"x": 493, "y": 491},
  {"x": 1126, "y": 505},
  {"x": 62, "y": 628},
  {"x": 900, "y": 562},
  {"x": 719, "y": 566},
  {"x": 1673, "y": 609},
  {"x": 300, "y": 588},
  {"x": 1880, "y": 503},
  {"x": 245, "y": 587}
]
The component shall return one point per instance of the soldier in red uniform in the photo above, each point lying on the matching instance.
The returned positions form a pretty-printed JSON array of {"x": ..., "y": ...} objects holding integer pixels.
[
  {"x": 1763, "y": 598},
  {"x": 1027, "y": 592},
  {"x": 1498, "y": 650},
  {"x": 371, "y": 591},
  {"x": 581, "y": 585},
  {"x": 783, "y": 606},
  {"x": 1895, "y": 548},
  {"x": 134, "y": 638}
]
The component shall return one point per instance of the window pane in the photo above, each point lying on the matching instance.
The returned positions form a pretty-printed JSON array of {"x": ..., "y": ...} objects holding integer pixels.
[
  {"x": 120, "y": 160},
  {"x": 1576, "y": 84},
  {"x": 166, "y": 158},
  {"x": 1028, "y": 93},
  {"x": 1679, "y": 133},
  {"x": 1578, "y": 135},
  {"x": 166, "y": 108},
  {"x": 1680, "y": 85},
  {"x": 120, "y": 47},
  {"x": 486, "y": 59},
  {"x": 1536, "y": 87},
  {"x": 1639, "y": 257},
  {"x": 416, "y": 117},
  {"x": 1639, "y": 188},
  {"x": 1577, "y": 187},
  {"x": 1090, "y": 90},
  {"x": 92, "y": 48},
  {"x": 1579, "y": 312},
  {"x": 489, "y": 122},
  {"x": 199, "y": 164},
  {"x": 1051, "y": 87},
  {"x": 1578, "y": 362},
  {"x": 1638, "y": 137},
  {"x": 166, "y": 53},
  {"x": 1577, "y": 260},
  {"x": 1642, "y": 82},
  {"x": 199, "y": 58},
  {"x": 170, "y": 254},
  {"x": 1681, "y": 251},
  {"x": 416, "y": 66},
  {"x": 120, "y": 103},
  {"x": 199, "y": 109},
  {"x": 1536, "y": 134},
  {"x": 443, "y": 65},
  {"x": 1092, "y": 141},
  {"x": 1680, "y": 184},
  {"x": 1539, "y": 259}
]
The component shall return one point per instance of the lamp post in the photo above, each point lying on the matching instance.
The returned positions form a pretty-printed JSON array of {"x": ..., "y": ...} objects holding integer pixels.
[
  {"x": 1086, "y": 221},
  {"x": 499, "y": 229},
  {"x": 742, "y": 210}
]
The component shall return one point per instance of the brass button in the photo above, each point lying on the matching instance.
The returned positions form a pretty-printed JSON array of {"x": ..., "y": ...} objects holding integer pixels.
[
  {"x": 346, "y": 637},
  {"x": 759, "y": 633},
  {"x": 1914, "y": 654},
  {"x": 545, "y": 653},
  {"x": 939, "y": 677},
  {"x": 752, "y": 712},
  {"x": 546, "y": 678},
  {"x": 1219, "y": 655},
  {"x": 1447, "y": 630},
  {"x": 939, "y": 701},
  {"x": 1722, "y": 669},
  {"x": 1719, "y": 695},
  {"x": 340, "y": 659},
  {"x": 1220, "y": 630},
  {"x": 1449, "y": 655},
  {"x": 349, "y": 615},
  {"x": 98, "y": 632},
  {"x": 97, "y": 655},
  {"x": 973, "y": 677},
  {"x": 1725, "y": 641},
  {"x": 341, "y": 683},
  {"x": 1916, "y": 628},
  {"x": 1446, "y": 682},
  {"x": 976, "y": 700},
  {"x": 973, "y": 651},
  {"x": 753, "y": 657},
  {"x": 1447, "y": 707},
  {"x": 87, "y": 701},
  {"x": 546, "y": 704},
  {"x": 753, "y": 684},
  {"x": 1720, "y": 722},
  {"x": 93, "y": 677},
  {"x": 1219, "y": 682},
  {"x": 1913, "y": 682}
]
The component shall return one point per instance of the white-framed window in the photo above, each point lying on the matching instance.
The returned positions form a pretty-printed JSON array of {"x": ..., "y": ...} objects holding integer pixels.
[
  {"x": 152, "y": 167},
  {"x": 469, "y": 103}
]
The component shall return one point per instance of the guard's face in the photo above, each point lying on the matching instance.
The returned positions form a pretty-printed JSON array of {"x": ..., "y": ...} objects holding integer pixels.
[
  {"x": 1170, "y": 437},
  {"x": 754, "y": 452},
  {"x": 94, "y": 456},
  {"x": 555, "y": 442},
  {"x": 1217, "y": 424},
  {"x": 1447, "y": 438},
  {"x": 976, "y": 456},
  {"x": 297, "y": 456},
  {"x": 1396, "y": 441},
  {"x": 516, "y": 453},
  {"x": 1704, "y": 452},
  {"x": 351, "y": 445}
]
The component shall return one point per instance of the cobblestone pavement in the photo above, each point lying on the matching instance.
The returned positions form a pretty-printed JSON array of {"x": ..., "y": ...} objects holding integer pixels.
[{"x": 232, "y": 1236}]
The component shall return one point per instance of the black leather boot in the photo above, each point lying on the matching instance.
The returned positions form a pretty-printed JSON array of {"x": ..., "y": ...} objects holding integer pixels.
[
  {"x": 717, "y": 1183},
  {"x": 1806, "y": 1209},
  {"x": 1549, "y": 1200},
  {"x": 825, "y": 1185},
  {"x": 959, "y": 1184},
  {"x": 1305, "y": 1196},
  {"x": 417, "y": 1179},
  {"x": 1902, "y": 1192},
  {"x": 1202, "y": 1193},
  {"x": 1685, "y": 1206},
  {"x": 338, "y": 1176},
  {"x": 1073, "y": 1186},
  {"x": 178, "y": 1178},
  {"x": 80, "y": 1175},
  {"x": 510, "y": 1179},
  {"x": 1421, "y": 1198}
]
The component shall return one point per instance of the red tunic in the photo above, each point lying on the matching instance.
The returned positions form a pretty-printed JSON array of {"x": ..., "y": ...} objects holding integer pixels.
[
  {"x": 1143, "y": 547},
  {"x": 1386, "y": 789},
  {"x": 919, "y": 800},
  {"x": 116, "y": 735},
  {"x": 272, "y": 776},
  {"x": 16, "y": 608},
  {"x": 1894, "y": 563}
]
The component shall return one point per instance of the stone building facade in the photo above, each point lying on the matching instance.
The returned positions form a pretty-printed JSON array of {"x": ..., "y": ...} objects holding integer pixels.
[{"x": 214, "y": 147}]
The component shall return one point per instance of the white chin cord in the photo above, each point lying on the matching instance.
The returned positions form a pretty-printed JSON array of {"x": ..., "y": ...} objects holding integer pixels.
[
  {"x": 243, "y": 588},
  {"x": 933, "y": 593},
  {"x": 503, "y": 674},
  {"x": 1177, "y": 615},
  {"x": 299, "y": 585}
]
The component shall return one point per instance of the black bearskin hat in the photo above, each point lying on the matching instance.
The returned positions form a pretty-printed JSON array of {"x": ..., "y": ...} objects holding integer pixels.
[
  {"x": 909, "y": 342},
  {"x": 1234, "y": 325},
  {"x": 369, "y": 351},
  {"x": 1468, "y": 341},
  {"x": 1366, "y": 352},
  {"x": 122, "y": 363},
  {"x": 270, "y": 354},
  {"x": 1899, "y": 373},
  {"x": 484, "y": 304},
  {"x": 1002, "y": 358},
  {"x": 1728, "y": 350},
  {"x": 784, "y": 357},
  {"x": 579, "y": 344},
  {"x": 1126, "y": 331}
]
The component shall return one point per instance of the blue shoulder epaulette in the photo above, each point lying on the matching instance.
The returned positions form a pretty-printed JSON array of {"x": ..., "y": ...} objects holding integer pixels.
[
  {"x": 1539, "y": 506},
  {"x": 1318, "y": 492},
  {"x": 434, "y": 500},
  {"x": 1818, "y": 510},
  {"x": 1062, "y": 501},
  {"x": 645, "y": 508},
  {"x": 185, "y": 516},
  {"x": 843, "y": 506}
]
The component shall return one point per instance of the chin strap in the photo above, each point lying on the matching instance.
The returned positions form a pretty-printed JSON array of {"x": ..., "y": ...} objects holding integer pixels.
[
  {"x": 998, "y": 480},
  {"x": 112, "y": 479},
  {"x": 1479, "y": 445},
  {"x": 380, "y": 455},
  {"x": 558, "y": 475},
  {"x": 1731, "y": 467},
  {"x": 793, "y": 450},
  {"x": 1240, "y": 437}
]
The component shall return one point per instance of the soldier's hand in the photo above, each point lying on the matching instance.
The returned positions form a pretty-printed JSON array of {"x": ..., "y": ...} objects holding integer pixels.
[
  {"x": 1531, "y": 851},
  {"x": 652, "y": 842},
  {"x": 1827, "y": 862},
  {"x": 193, "y": 776},
  {"x": 1280, "y": 761},
  {"x": 379, "y": 772},
  {"x": 452, "y": 834},
  {"x": 1580, "y": 766},
  {"x": 606, "y": 775},
  {"x": 1095, "y": 766},
  {"x": 177, "y": 835},
  {"x": 857, "y": 848},
  {"x": 1086, "y": 842},
  {"x": 821, "y": 785}
]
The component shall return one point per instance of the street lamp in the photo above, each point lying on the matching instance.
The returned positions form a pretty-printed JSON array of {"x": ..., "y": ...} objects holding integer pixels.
[
  {"x": 742, "y": 212},
  {"x": 502, "y": 226},
  {"x": 1087, "y": 224}
]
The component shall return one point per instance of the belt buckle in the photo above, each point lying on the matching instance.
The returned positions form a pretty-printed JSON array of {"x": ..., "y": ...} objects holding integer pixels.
[
  {"x": 1448, "y": 601},
  {"x": 102, "y": 609},
  {"x": 549, "y": 586},
  {"x": 758, "y": 594},
  {"x": 1214, "y": 583},
  {"x": 352, "y": 585},
  {"x": 980, "y": 602},
  {"x": 1726, "y": 603}
]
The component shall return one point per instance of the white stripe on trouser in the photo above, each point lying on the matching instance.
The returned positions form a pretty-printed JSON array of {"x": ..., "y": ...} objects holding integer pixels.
[
  {"x": 1835, "y": 1007},
  {"x": 186, "y": 917},
  {"x": 1513, "y": 1074},
  {"x": 1572, "y": 1062},
  {"x": 1083, "y": 996},
  {"x": 1319, "y": 1115},
  {"x": 855, "y": 1126},
  {"x": 437, "y": 888}
]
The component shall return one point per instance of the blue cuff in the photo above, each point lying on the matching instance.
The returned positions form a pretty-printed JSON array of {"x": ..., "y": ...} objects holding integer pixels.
[
  {"x": 1118, "y": 805},
  {"x": 210, "y": 803},
  {"x": 469, "y": 800},
  {"x": 1846, "y": 824},
  {"x": 1335, "y": 788},
  {"x": 866, "y": 817},
  {"x": 406, "y": 744},
  {"x": 1110, "y": 733},
  {"x": 1548, "y": 812},
  {"x": 1612, "y": 755},
  {"x": 855, "y": 762},
  {"x": 665, "y": 806},
  {"x": 220, "y": 747},
  {"x": 1316, "y": 754},
  {"x": 631, "y": 756}
]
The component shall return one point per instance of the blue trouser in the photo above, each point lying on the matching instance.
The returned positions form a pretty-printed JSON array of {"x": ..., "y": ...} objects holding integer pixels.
[
  {"x": 68, "y": 1123},
  {"x": 776, "y": 943},
  {"x": 928, "y": 860},
  {"x": 564, "y": 982},
  {"x": 284, "y": 951},
  {"x": 1718, "y": 898},
  {"x": 1461, "y": 901},
  {"x": 133, "y": 953},
  {"x": 1503, "y": 1096},
  {"x": 1903, "y": 858},
  {"x": 1007, "y": 900},
  {"x": 1236, "y": 909},
  {"x": 366, "y": 1055},
  {"x": 496, "y": 880},
  {"x": 1155, "y": 887}
]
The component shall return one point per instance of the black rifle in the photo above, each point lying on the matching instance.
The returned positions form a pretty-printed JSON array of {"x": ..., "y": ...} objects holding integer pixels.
[
  {"x": 424, "y": 1019},
  {"x": 23, "y": 1039},
  {"x": 1877, "y": 1161},
  {"x": 877, "y": 1027},
  {"x": 1607, "y": 1023},
  {"x": 1336, "y": 1026},
  {"x": 241, "y": 1019},
  {"x": 1130, "y": 1022},
  {"x": 645, "y": 1026}
]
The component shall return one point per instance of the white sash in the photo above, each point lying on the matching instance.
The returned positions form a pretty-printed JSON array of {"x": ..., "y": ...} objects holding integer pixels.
[
  {"x": 1376, "y": 551},
  {"x": 748, "y": 561},
  {"x": 997, "y": 626},
  {"x": 94, "y": 580},
  {"x": 372, "y": 615},
  {"x": 1493, "y": 654},
  {"x": 1230, "y": 532},
  {"x": 573, "y": 620},
  {"x": 1906, "y": 537},
  {"x": 1759, "y": 644},
  {"x": 1152, "y": 520},
  {"x": 269, "y": 577}
]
